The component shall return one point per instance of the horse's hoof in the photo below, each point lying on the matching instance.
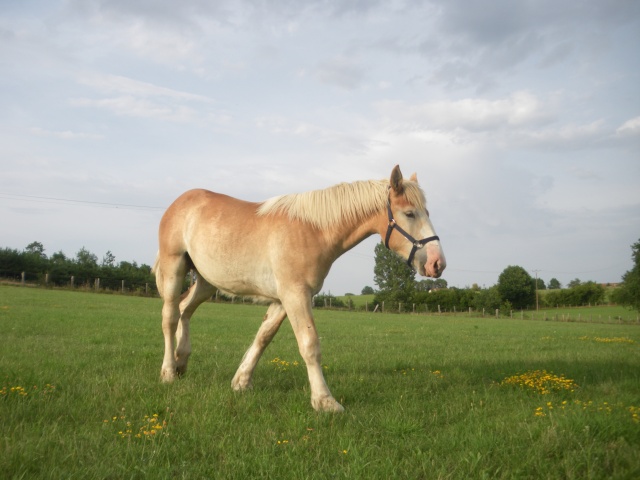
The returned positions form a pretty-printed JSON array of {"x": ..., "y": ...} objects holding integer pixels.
[
  {"x": 239, "y": 385},
  {"x": 168, "y": 375},
  {"x": 327, "y": 404}
]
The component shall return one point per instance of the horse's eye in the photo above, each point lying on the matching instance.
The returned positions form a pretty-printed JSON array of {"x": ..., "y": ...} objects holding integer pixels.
[{"x": 410, "y": 215}]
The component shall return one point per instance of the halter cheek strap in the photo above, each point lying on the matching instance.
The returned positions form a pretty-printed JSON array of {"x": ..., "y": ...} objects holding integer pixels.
[{"x": 417, "y": 244}]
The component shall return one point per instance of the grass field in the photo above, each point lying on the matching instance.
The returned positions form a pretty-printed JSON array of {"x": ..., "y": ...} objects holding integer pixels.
[{"x": 425, "y": 396}]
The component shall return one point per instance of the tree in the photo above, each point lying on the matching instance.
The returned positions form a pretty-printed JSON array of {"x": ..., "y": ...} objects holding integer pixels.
[
  {"x": 86, "y": 266},
  {"x": 395, "y": 279},
  {"x": 36, "y": 248},
  {"x": 587, "y": 293},
  {"x": 368, "y": 290},
  {"x": 517, "y": 287},
  {"x": 574, "y": 283},
  {"x": 35, "y": 260},
  {"x": 431, "y": 284},
  {"x": 554, "y": 284},
  {"x": 540, "y": 284},
  {"x": 628, "y": 293},
  {"x": 109, "y": 260},
  {"x": 487, "y": 298},
  {"x": 327, "y": 300}
]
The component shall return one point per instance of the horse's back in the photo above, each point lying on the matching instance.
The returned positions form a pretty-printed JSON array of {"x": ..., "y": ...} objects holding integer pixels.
[{"x": 200, "y": 208}]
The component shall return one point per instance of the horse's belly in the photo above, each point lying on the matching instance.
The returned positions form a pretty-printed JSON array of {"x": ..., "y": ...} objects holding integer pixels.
[{"x": 260, "y": 286}]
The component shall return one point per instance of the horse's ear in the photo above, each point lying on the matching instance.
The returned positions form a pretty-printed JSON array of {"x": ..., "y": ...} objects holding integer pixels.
[
  {"x": 396, "y": 180},
  {"x": 414, "y": 177}
]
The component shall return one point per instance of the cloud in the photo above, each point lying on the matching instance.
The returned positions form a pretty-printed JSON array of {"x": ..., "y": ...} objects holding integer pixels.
[
  {"x": 66, "y": 134},
  {"x": 134, "y": 107},
  {"x": 472, "y": 114},
  {"x": 129, "y": 86},
  {"x": 135, "y": 98},
  {"x": 341, "y": 71},
  {"x": 563, "y": 137},
  {"x": 630, "y": 128}
]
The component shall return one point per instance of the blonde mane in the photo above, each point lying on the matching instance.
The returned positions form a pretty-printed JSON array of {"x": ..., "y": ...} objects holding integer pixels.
[{"x": 345, "y": 202}]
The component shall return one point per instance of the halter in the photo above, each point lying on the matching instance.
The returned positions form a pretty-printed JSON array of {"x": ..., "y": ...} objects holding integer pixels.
[{"x": 417, "y": 244}]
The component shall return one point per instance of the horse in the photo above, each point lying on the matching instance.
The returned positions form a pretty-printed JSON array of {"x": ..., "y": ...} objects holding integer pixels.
[{"x": 279, "y": 252}]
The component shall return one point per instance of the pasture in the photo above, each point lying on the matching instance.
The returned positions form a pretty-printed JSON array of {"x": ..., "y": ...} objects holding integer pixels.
[{"x": 425, "y": 396}]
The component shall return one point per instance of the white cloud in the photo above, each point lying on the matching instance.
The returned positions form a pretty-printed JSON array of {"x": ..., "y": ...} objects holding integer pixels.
[
  {"x": 135, "y": 107},
  {"x": 563, "y": 137},
  {"x": 119, "y": 84},
  {"x": 472, "y": 114},
  {"x": 630, "y": 128},
  {"x": 66, "y": 134}
]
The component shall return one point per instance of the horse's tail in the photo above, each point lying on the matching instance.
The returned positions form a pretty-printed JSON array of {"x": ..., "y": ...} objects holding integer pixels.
[{"x": 156, "y": 271}]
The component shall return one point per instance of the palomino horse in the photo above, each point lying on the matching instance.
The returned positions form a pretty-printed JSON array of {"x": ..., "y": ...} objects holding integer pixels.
[{"x": 280, "y": 251}]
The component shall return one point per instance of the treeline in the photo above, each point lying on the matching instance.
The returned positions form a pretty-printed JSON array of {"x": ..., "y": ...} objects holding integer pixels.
[
  {"x": 79, "y": 271},
  {"x": 516, "y": 290},
  {"x": 477, "y": 299},
  {"x": 490, "y": 299}
]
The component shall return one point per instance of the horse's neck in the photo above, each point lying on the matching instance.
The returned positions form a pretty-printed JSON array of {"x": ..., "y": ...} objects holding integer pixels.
[{"x": 346, "y": 236}]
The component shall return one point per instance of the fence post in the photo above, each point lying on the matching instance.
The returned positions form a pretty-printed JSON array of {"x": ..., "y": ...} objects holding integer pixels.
[
  {"x": 439, "y": 312},
  {"x": 97, "y": 284},
  {"x": 46, "y": 279},
  {"x": 146, "y": 288},
  {"x": 23, "y": 278},
  {"x": 399, "y": 307},
  {"x": 122, "y": 286},
  {"x": 73, "y": 279},
  {"x": 497, "y": 312}
]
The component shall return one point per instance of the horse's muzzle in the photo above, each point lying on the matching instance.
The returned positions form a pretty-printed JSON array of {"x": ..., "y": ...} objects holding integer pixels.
[{"x": 436, "y": 262}]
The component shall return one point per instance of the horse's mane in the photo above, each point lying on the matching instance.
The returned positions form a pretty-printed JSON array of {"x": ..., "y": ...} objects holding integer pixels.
[{"x": 332, "y": 206}]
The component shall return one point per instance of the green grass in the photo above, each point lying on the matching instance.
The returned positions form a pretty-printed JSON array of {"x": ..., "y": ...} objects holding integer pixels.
[{"x": 424, "y": 396}]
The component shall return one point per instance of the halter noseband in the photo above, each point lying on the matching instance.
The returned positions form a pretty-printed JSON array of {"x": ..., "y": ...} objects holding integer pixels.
[{"x": 417, "y": 244}]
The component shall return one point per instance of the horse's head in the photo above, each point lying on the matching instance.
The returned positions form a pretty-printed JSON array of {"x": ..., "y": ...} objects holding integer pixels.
[{"x": 410, "y": 232}]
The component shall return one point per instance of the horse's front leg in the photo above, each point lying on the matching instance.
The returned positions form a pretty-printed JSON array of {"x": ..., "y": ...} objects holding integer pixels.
[
  {"x": 299, "y": 312},
  {"x": 270, "y": 325}
]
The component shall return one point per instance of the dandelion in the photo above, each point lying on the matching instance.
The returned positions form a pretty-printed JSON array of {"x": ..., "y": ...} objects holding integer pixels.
[
  {"x": 283, "y": 365},
  {"x": 613, "y": 340},
  {"x": 541, "y": 381},
  {"x": 588, "y": 407},
  {"x": 149, "y": 427},
  {"x": 609, "y": 339}
]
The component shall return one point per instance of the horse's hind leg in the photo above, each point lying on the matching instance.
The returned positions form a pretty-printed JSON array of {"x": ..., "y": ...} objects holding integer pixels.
[
  {"x": 199, "y": 292},
  {"x": 270, "y": 325},
  {"x": 170, "y": 271}
]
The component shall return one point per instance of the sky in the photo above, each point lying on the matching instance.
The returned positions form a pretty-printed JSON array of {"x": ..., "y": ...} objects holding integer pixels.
[{"x": 520, "y": 118}]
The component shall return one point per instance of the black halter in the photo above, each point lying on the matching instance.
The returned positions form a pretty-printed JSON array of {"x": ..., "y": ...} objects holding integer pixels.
[{"x": 417, "y": 244}]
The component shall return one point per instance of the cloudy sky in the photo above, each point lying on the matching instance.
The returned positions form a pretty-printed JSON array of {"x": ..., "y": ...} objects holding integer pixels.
[{"x": 521, "y": 118}]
